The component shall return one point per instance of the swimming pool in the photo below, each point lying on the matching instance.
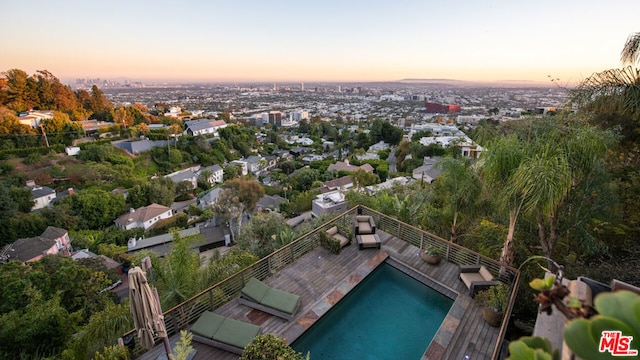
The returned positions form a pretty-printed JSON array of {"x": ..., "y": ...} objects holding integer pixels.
[{"x": 389, "y": 315}]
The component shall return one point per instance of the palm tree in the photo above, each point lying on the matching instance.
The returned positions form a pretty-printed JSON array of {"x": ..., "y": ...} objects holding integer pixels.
[
  {"x": 537, "y": 172},
  {"x": 613, "y": 90},
  {"x": 499, "y": 166}
]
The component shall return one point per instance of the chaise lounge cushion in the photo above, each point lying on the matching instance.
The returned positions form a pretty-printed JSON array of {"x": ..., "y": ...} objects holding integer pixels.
[
  {"x": 265, "y": 298},
  {"x": 220, "y": 329},
  {"x": 255, "y": 290},
  {"x": 207, "y": 325},
  {"x": 281, "y": 300},
  {"x": 236, "y": 333}
]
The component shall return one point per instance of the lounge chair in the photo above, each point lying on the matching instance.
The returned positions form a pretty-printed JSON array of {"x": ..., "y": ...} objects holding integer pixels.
[
  {"x": 476, "y": 278},
  {"x": 261, "y": 296},
  {"x": 363, "y": 224},
  {"x": 224, "y": 333},
  {"x": 335, "y": 233}
]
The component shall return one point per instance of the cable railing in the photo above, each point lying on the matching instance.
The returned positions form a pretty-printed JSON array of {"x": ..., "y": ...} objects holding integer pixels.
[{"x": 180, "y": 316}]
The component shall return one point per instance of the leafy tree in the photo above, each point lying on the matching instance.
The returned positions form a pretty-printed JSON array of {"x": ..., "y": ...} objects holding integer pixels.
[
  {"x": 262, "y": 234},
  {"x": 96, "y": 208},
  {"x": 100, "y": 105},
  {"x": 456, "y": 194},
  {"x": 122, "y": 117},
  {"x": 160, "y": 190},
  {"x": 303, "y": 179},
  {"x": 45, "y": 320},
  {"x": 362, "y": 178},
  {"x": 178, "y": 272}
]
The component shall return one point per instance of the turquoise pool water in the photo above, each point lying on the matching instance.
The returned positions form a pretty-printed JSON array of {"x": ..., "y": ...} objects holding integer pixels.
[{"x": 389, "y": 315}]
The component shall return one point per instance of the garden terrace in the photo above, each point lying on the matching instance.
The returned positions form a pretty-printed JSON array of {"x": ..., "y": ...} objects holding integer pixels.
[{"x": 322, "y": 279}]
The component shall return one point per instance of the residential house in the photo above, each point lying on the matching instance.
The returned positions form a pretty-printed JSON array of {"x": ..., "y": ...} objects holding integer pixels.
[
  {"x": 284, "y": 154},
  {"x": 32, "y": 118},
  {"x": 343, "y": 183},
  {"x": 209, "y": 198},
  {"x": 401, "y": 181},
  {"x": 312, "y": 157},
  {"x": 255, "y": 164},
  {"x": 270, "y": 203},
  {"x": 143, "y": 217},
  {"x": 216, "y": 176},
  {"x": 72, "y": 150},
  {"x": 428, "y": 171},
  {"x": 194, "y": 173},
  {"x": 190, "y": 175},
  {"x": 51, "y": 242},
  {"x": 378, "y": 146},
  {"x": 41, "y": 195},
  {"x": 174, "y": 111},
  {"x": 243, "y": 165},
  {"x": 345, "y": 166},
  {"x": 140, "y": 146},
  {"x": 204, "y": 127},
  {"x": 332, "y": 202}
]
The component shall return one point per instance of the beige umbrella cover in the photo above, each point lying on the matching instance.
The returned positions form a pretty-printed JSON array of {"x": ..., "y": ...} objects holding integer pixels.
[{"x": 145, "y": 309}]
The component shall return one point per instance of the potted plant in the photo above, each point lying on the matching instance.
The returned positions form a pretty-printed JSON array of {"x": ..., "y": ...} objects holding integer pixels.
[
  {"x": 494, "y": 300},
  {"x": 430, "y": 256}
]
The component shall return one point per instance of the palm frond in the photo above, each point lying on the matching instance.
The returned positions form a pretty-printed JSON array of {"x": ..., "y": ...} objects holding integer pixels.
[
  {"x": 619, "y": 88},
  {"x": 630, "y": 53}
]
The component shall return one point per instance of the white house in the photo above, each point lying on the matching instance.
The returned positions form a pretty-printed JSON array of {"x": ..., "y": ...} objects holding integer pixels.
[
  {"x": 41, "y": 195},
  {"x": 216, "y": 175},
  {"x": 243, "y": 165},
  {"x": 174, "y": 111},
  {"x": 204, "y": 127},
  {"x": 143, "y": 217},
  {"x": 33, "y": 118},
  {"x": 194, "y": 173},
  {"x": 72, "y": 150}
]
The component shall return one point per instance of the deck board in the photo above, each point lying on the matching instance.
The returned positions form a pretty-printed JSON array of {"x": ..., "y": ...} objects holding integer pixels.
[{"x": 317, "y": 274}]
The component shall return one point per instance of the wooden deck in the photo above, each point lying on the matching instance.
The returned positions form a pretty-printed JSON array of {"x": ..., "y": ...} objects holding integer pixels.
[{"x": 321, "y": 279}]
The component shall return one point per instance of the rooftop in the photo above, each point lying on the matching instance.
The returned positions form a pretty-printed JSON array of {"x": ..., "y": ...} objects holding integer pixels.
[{"x": 322, "y": 279}]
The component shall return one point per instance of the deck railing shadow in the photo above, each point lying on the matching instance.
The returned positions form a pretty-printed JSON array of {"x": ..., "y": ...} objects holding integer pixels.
[{"x": 180, "y": 316}]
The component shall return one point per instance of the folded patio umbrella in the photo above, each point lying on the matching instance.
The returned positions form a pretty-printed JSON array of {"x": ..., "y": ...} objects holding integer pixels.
[{"x": 145, "y": 309}]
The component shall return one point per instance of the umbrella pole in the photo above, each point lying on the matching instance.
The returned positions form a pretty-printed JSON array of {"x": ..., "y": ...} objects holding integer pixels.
[
  {"x": 167, "y": 344},
  {"x": 146, "y": 265}
]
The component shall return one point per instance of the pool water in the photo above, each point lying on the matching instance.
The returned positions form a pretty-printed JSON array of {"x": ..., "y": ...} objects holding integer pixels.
[{"x": 389, "y": 315}]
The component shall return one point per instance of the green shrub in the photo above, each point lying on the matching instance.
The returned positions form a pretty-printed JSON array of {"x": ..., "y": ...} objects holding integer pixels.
[
  {"x": 270, "y": 347},
  {"x": 329, "y": 243}
]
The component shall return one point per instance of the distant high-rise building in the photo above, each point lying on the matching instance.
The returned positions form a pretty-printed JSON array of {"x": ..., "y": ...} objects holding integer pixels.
[
  {"x": 339, "y": 88},
  {"x": 275, "y": 87},
  {"x": 433, "y": 107},
  {"x": 302, "y": 86},
  {"x": 275, "y": 118}
]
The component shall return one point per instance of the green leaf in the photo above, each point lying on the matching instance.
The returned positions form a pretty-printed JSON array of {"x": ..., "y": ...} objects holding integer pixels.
[
  {"x": 538, "y": 284},
  {"x": 574, "y": 303},
  {"x": 548, "y": 282}
]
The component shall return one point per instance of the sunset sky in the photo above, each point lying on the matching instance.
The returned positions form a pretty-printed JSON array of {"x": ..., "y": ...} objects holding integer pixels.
[{"x": 346, "y": 40}]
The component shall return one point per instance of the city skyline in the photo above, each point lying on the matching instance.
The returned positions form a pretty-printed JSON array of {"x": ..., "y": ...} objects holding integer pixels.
[{"x": 287, "y": 41}]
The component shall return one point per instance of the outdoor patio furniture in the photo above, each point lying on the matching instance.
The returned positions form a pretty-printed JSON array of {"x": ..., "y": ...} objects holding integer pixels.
[
  {"x": 363, "y": 224},
  {"x": 223, "y": 332},
  {"x": 476, "y": 278},
  {"x": 335, "y": 233},
  {"x": 261, "y": 296},
  {"x": 368, "y": 241}
]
